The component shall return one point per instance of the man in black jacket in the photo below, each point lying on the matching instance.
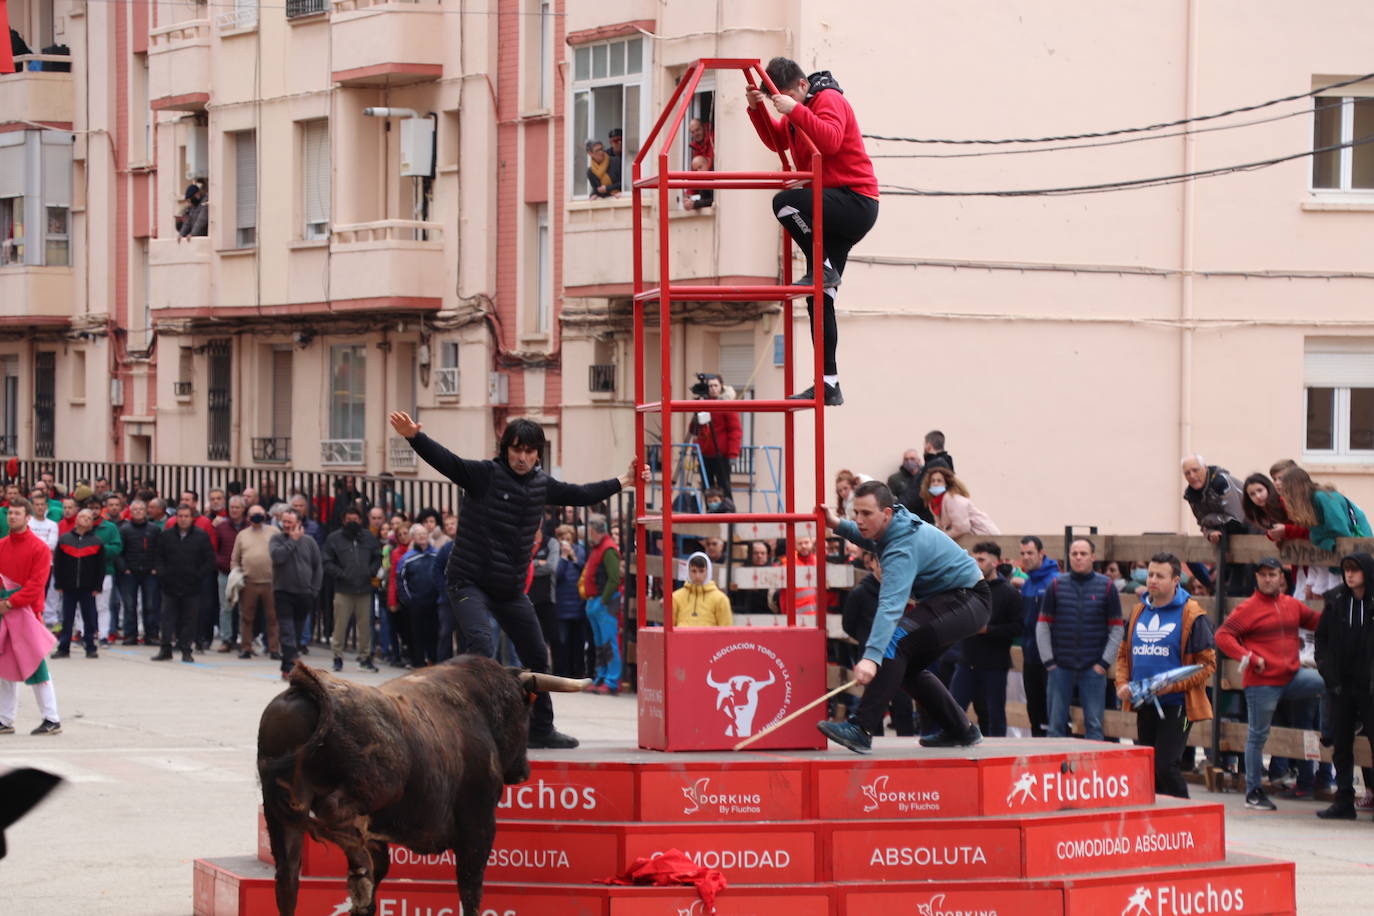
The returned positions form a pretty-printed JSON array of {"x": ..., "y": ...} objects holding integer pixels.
[
  {"x": 1345, "y": 659},
  {"x": 185, "y": 561},
  {"x": 79, "y": 573},
  {"x": 860, "y": 607},
  {"x": 138, "y": 584},
  {"x": 935, "y": 458},
  {"x": 352, "y": 556},
  {"x": 503, "y": 504},
  {"x": 985, "y": 657}
]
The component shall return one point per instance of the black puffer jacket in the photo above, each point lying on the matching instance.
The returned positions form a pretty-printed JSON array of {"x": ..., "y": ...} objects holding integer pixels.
[
  {"x": 184, "y": 563},
  {"x": 140, "y": 546},
  {"x": 501, "y": 511},
  {"x": 1345, "y": 635}
]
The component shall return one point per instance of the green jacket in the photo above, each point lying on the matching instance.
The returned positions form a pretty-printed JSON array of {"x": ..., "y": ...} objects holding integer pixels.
[
  {"x": 1338, "y": 518},
  {"x": 109, "y": 535}
]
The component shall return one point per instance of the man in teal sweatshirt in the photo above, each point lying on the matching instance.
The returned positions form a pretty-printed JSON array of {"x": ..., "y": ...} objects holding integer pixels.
[{"x": 952, "y": 602}]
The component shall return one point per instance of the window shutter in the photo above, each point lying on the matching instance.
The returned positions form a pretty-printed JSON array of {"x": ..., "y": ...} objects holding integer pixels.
[
  {"x": 316, "y": 176},
  {"x": 246, "y": 180},
  {"x": 281, "y": 393},
  {"x": 12, "y": 170},
  {"x": 57, "y": 171},
  {"x": 1338, "y": 369},
  {"x": 736, "y": 358}
]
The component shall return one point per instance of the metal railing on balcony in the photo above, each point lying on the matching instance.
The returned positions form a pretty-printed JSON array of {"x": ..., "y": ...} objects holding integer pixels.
[
  {"x": 446, "y": 382},
  {"x": 601, "y": 377},
  {"x": 296, "y": 9},
  {"x": 399, "y": 454},
  {"x": 245, "y": 17},
  {"x": 182, "y": 389},
  {"x": 9, "y": 445},
  {"x": 334, "y": 452},
  {"x": 272, "y": 449}
]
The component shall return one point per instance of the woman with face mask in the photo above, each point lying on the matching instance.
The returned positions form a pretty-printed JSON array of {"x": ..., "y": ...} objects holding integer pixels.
[{"x": 954, "y": 512}]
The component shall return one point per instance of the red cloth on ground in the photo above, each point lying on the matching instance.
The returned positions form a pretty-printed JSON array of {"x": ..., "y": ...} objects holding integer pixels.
[{"x": 669, "y": 869}]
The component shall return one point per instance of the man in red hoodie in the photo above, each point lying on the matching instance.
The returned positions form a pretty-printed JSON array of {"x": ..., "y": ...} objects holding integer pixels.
[
  {"x": 25, "y": 561},
  {"x": 816, "y": 106},
  {"x": 1262, "y": 633}
]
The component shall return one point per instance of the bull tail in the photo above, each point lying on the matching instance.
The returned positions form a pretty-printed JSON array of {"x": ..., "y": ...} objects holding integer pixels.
[{"x": 293, "y": 726}]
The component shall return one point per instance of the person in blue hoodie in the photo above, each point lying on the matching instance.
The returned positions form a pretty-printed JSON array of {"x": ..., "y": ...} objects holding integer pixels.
[
  {"x": 1041, "y": 571},
  {"x": 952, "y": 602},
  {"x": 448, "y": 623}
]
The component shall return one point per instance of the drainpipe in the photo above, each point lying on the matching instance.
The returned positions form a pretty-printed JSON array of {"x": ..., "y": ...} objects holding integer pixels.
[{"x": 1185, "y": 310}]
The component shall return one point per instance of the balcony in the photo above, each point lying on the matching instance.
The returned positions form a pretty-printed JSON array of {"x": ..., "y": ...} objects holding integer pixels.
[
  {"x": 391, "y": 262},
  {"x": 399, "y": 455},
  {"x": 36, "y": 295},
  {"x": 178, "y": 273},
  {"x": 9, "y": 445},
  {"x": 272, "y": 449},
  {"x": 179, "y": 66},
  {"x": 44, "y": 96},
  {"x": 446, "y": 382},
  {"x": 301, "y": 9},
  {"x": 388, "y": 44},
  {"x": 183, "y": 391},
  {"x": 601, "y": 378},
  {"x": 336, "y": 452}
]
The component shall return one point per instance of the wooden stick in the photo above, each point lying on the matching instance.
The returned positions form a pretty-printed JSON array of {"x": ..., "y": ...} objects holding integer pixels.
[{"x": 812, "y": 705}]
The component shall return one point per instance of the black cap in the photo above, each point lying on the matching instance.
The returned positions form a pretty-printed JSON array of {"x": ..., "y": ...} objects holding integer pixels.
[
  {"x": 616, "y": 133},
  {"x": 192, "y": 192},
  {"x": 1271, "y": 562}
]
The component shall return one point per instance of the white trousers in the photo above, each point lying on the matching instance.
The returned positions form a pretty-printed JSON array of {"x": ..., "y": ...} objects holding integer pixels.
[
  {"x": 9, "y": 701},
  {"x": 52, "y": 606},
  {"x": 102, "y": 608}
]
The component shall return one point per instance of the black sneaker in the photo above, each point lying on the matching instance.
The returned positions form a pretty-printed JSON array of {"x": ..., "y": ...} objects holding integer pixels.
[
  {"x": 338, "y": 664},
  {"x": 553, "y": 739},
  {"x": 245, "y": 655},
  {"x": 91, "y": 653},
  {"x": 830, "y": 279},
  {"x": 62, "y": 653},
  {"x": 163, "y": 655},
  {"x": 49, "y": 727},
  {"x": 187, "y": 657},
  {"x": 1340, "y": 810},
  {"x": 1256, "y": 800},
  {"x": 6, "y": 729},
  {"x": 833, "y": 396},
  {"x": 305, "y": 650},
  {"x": 968, "y": 739},
  {"x": 366, "y": 665},
  {"x": 847, "y": 734}
]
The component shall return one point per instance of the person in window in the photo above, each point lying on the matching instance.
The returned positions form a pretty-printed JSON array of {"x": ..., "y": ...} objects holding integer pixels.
[
  {"x": 616, "y": 138},
  {"x": 194, "y": 220},
  {"x": 603, "y": 171},
  {"x": 698, "y": 198},
  {"x": 816, "y": 106},
  {"x": 701, "y": 143}
]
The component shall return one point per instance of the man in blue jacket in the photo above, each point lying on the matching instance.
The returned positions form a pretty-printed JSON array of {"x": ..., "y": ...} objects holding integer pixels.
[
  {"x": 1040, "y": 571},
  {"x": 953, "y": 602}
]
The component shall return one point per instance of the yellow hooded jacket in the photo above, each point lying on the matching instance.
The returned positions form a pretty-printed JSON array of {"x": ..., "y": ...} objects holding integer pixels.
[{"x": 701, "y": 605}]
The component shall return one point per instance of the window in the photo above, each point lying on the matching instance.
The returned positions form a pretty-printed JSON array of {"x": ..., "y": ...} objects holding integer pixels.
[
  {"x": 537, "y": 62},
  {"x": 543, "y": 274},
  {"x": 1338, "y": 120},
  {"x": 57, "y": 249},
  {"x": 315, "y": 177},
  {"x": 9, "y": 404},
  {"x": 79, "y": 376},
  {"x": 1339, "y": 380},
  {"x": 545, "y": 54},
  {"x": 281, "y": 392},
  {"x": 347, "y": 388},
  {"x": 218, "y": 398},
  {"x": 245, "y": 189},
  {"x": 44, "y": 404},
  {"x": 11, "y": 231},
  {"x": 56, "y": 155},
  {"x": 35, "y": 197},
  {"x": 609, "y": 93},
  {"x": 446, "y": 384}
]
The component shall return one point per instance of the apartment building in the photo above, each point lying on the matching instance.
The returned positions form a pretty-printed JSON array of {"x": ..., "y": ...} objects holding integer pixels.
[{"x": 399, "y": 217}]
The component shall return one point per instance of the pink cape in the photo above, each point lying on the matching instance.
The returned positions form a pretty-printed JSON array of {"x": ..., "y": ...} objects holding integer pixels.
[{"x": 24, "y": 643}]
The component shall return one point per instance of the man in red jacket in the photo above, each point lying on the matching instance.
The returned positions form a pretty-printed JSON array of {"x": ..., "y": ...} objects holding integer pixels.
[
  {"x": 25, "y": 561},
  {"x": 1263, "y": 634},
  {"x": 719, "y": 436},
  {"x": 816, "y": 106}
]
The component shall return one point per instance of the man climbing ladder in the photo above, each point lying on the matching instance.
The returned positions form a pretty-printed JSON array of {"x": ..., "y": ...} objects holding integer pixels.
[{"x": 817, "y": 106}]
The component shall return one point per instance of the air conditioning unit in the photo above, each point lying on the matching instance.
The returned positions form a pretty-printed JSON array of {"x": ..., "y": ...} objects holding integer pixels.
[
  {"x": 498, "y": 388},
  {"x": 417, "y": 147}
]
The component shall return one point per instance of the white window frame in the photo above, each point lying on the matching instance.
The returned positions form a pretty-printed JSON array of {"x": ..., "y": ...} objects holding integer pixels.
[
  {"x": 1346, "y": 155},
  {"x": 315, "y": 179},
  {"x": 245, "y": 222},
  {"x": 577, "y": 157},
  {"x": 1322, "y": 369},
  {"x": 543, "y": 272},
  {"x": 546, "y": 64}
]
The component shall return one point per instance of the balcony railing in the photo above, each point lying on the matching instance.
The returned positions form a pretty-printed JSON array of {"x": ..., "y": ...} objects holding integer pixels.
[
  {"x": 601, "y": 377},
  {"x": 399, "y": 454},
  {"x": 9, "y": 445},
  {"x": 296, "y": 9},
  {"x": 334, "y": 452},
  {"x": 242, "y": 18},
  {"x": 389, "y": 230},
  {"x": 272, "y": 449},
  {"x": 182, "y": 390},
  {"x": 446, "y": 382}
]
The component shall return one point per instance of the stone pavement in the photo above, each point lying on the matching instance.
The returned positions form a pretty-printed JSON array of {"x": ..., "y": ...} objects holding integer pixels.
[{"x": 159, "y": 760}]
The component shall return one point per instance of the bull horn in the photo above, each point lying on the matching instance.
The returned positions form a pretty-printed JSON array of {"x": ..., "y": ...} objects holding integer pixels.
[{"x": 551, "y": 683}]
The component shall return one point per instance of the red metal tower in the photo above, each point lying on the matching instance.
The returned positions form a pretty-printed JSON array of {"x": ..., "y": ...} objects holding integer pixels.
[{"x": 707, "y": 688}]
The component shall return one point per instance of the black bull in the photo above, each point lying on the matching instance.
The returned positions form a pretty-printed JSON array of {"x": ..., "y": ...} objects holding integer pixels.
[{"x": 421, "y": 761}]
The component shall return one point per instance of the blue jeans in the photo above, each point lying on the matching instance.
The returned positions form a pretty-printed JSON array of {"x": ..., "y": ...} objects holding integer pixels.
[
  {"x": 606, "y": 637},
  {"x": 1092, "y": 694},
  {"x": 138, "y": 590},
  {"x": 71, "y": 600},
  {"x": 1260, "y": 702}
]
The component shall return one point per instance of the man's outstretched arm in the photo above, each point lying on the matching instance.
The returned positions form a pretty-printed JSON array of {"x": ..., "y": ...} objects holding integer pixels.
[
  {"x": 462, "y": 471},
  {"x": 588, "y": 494}
]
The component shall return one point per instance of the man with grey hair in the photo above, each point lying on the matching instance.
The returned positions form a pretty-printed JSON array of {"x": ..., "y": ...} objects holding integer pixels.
[
  {"x": 227, "y": 528},
  {"x": 185, "y": 560},
  {"x": 1215, "y": 498},
  {"x": 138, "y": 582},
  {"x": 600, "y": 585},
  {"x": 297, "y": 571},
  {"x": 907, "y": 473}
]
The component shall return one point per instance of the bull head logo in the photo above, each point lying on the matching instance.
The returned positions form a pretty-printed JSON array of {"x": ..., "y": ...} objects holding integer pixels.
[{"x": 738, "y": 698}]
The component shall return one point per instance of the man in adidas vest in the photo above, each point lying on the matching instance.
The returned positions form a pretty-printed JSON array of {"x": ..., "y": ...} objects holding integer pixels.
[
  {"x": 503, "y": 505},
  {"x": 1168, "y": 629}
]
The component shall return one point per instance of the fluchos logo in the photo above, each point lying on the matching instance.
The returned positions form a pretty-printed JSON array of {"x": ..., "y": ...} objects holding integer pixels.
[
  {"x": 700, "y": 796},
  {"x": 400, "y": 906},
  {"x": 1171, "y": 900},
  {"x": 1054, "y": 787},
  {"x": 739, "y": 674},
  {"x": 877, "y": 794},
  {"x": 543, "y": 796},
  {"x": 936, "y": 907}
]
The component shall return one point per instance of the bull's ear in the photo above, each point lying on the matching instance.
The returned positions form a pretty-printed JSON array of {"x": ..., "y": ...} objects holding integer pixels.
[{"x": 550, "y": 683}]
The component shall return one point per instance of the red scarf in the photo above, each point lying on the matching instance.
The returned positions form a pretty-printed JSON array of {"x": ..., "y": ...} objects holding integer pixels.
[{"x": 586, "y": 585}]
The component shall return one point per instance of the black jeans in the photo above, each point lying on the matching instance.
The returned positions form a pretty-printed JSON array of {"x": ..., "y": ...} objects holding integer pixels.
[
  {"x": 448, "y": 625},
  {"x": 1349, "y": 708},
  {"x": 474, "y": 609},
  {"x": 424, "y": 634},
  {"x": 71, "y": 598},
  {"x": 139, "y": 589},
  {"x": 1036, "y": 681},
  {"x": 292, "y": 611},
  {"x": 987, "y": 691},
  {"x": 179, "y": 620},
  {"x": 931, "y": 627},
  {"x": 570, "y": 652},
  {"x": 1168, "y": 736},
  {"x": 716, "y": 470},
  {"x": 847, "y": 218}
]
